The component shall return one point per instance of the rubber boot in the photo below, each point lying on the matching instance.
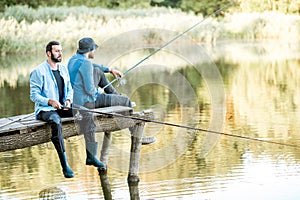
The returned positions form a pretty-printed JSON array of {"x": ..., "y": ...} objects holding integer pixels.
[
  {"x": 91, "y": 152},
  {"x": 68, "y": 173}
]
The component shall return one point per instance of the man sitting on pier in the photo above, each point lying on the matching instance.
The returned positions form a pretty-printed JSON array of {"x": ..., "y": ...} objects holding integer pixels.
[
  {"x": 50, "y": 89},
  {"x": 88, "y": 78}
]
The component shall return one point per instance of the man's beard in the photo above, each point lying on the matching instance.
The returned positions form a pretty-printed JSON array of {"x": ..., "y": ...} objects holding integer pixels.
[{"x": 56, "y": 60}]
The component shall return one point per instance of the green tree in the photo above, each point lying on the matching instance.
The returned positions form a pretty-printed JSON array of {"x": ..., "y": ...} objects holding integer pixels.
[
  {"x": 204, "y": 7},
  {"x": 283, "y": 6},
  {"x": 166, "y": 3}
]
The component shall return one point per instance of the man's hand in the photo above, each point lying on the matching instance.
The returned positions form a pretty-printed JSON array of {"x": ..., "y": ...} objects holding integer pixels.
[
  {"x": 54, "y": 104},
  {"x": 116, "y": 73},
  {"x": 67, "y": 104}
]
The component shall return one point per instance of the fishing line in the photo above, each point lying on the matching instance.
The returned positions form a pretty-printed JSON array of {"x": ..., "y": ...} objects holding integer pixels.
[
  {"x": 166, "y": 44},
  {"x": 81, "y": 108}
]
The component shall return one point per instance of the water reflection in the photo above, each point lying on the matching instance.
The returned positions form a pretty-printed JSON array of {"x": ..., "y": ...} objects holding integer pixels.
[
  {"x": 105, "y": 185},
  {"x": 262, "y": 101},
  {"x": 107, "y": 194},
  {"x": 15, "y": 100}
]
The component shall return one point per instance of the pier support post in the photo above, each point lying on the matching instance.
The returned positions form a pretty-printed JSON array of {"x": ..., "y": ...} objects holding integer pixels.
[
  {"x": 107, "y": 137},
  {"x": 136, "y": 136},
  {"x": 105, "y": 147}
]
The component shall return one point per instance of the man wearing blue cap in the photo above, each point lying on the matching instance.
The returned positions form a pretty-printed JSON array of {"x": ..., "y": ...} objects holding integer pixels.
[{"x": 87, "y": 79}]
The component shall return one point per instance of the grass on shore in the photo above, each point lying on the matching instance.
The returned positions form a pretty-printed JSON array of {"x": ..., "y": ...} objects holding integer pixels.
[{"x": 25, "y": 30}]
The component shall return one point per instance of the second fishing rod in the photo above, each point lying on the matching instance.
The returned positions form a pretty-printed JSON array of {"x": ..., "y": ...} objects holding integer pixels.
[{"x": 168, "y": 43}]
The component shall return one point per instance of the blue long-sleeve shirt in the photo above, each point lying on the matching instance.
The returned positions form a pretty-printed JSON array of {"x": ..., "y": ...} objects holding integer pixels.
[
  {"x": 43, "y": 86},
  {"x": 81, "y": 76}
]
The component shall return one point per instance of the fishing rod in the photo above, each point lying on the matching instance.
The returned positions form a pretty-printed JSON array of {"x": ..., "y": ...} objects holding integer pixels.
[
  {"x": 84, "y": 109},
  {"x": 16, "y": 120},
  {"x": 166, "y": 44}
]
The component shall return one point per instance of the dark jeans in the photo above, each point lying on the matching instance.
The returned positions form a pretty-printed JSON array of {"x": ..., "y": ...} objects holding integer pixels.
[
  {"x": 87, "y": 124},
  {"x": 53, "y": 118},
  {"x": 101, "y": 81},
  {"x": 109, "y": 98}
]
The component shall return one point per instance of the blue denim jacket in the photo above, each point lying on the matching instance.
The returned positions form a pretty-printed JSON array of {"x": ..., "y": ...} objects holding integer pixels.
[
  {"x": 81, "y": 75},
  {"x": 43, "y": 86}
]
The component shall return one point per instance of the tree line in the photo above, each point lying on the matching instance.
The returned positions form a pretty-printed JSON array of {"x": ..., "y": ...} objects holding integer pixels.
[{"x": 204, "y": 7}]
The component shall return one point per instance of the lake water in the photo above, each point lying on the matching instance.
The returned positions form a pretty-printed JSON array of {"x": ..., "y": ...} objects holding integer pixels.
[{"x": 244, "y": 89}]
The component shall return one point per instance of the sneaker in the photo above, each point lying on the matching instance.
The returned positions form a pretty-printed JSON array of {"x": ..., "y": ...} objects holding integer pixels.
[{"x": 148, "y": 140}]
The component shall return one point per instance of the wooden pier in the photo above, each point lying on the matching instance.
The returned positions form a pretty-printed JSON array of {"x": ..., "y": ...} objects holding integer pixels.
[{"x": 24, "y": 131}]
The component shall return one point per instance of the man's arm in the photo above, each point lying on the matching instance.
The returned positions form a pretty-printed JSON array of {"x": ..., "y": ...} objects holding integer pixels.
[
  {"x": 103, "y": 68},
  {"x": 36, "y": 85},
  {"x": 114, "y": 72},
  {"x": 36, "y": 89},
  {"x": 86, "y": 71}
]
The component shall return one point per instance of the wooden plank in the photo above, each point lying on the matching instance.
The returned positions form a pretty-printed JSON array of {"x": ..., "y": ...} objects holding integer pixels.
[
  {"x": 32, "y": 132},
  {"x": 14, "y": 123},
  {"x": 23, "y": 122}
]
